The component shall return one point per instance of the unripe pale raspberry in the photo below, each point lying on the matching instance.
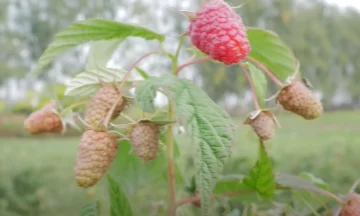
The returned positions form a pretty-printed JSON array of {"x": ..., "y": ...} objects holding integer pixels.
[
  {"x": 44, "y": 121},
  {"x": 144, "y": 138},
  {"x": 218, "y": 31},
  {"x": 264, "y": 124},
  {"x": 298, "y": 98},
  {"x": 100, "y": 105},
  {"x": 95, "y": 153},
  {"x": 352, "y": 207}
]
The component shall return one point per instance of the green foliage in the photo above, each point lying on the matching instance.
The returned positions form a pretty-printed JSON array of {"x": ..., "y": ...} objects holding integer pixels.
[
  {"x": 261, "y": 177},
  {"x": 140, "y": 174},
  {"x": 119, "y": 203},
  {"x": 299, "y": 183},
  {"x": 317, "y": 181},
  {"x": 2, "y": 106},
  {"x": 211, "y": 128},
  {"x": 87, "y": 82},
  {"x": 270, "y": 50},
  {"x": 101, "y": 52},
  {"x": 91, "y": 209},
  {"x": 91, "y": 30},
  {"x": 260, "y": 83},
  {"x": 23, "y": 194}
]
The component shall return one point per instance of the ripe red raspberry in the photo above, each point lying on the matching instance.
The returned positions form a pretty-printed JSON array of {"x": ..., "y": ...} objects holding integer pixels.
[
  {"x": 219, "y": 32},
  {"x": 44, "y": 121}
]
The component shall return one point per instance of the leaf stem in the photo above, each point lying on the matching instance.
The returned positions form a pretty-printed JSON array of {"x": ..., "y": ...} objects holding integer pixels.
[
  {"x": 181, "y": 42},
  {"x": 195, "y": 198},
  {"x": 191, "y": 62},
  {"x": 171, "y": 170},
  {"x": 175, "y": 58},
  {"x": 72, "y": 106},
  {"x": 266, "y": 71},
  {"x": 333, "y": 196},
  {"x": 252, "y": 86}
]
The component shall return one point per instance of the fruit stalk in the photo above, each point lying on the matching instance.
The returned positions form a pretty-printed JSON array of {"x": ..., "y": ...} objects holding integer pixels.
[
  {"x": 252, "y": 86},
  {"x": 111, "y": 111},
  {"x": 191, "y": 62},
  {"x": 266, "y": 71}
]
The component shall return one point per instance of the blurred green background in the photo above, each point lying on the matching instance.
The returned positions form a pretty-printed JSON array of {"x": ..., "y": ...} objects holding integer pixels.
[{"x": 36, "y": 173}]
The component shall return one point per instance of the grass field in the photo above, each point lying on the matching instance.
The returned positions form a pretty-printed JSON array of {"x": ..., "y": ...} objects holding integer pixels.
[{"x": 328, "y": 147}]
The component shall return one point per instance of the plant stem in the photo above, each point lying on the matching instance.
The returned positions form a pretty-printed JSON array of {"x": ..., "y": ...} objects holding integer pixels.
[
  {"x": 171, "y": 170},
  {"x": 267, "y": 71},
  {"x": 252, "y": 86},
  {"x": 195, "y": 198},
  {"x": 170, "y": 143},
  {"x": 333, "y": 196},
  {"x": 191, "y": 62}
]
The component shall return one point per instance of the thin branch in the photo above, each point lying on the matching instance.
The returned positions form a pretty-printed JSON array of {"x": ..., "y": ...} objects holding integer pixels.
[
  {"x": 267, "y": 71},
  {"x": 252, "y": 86},
  {"x": 191, "y": 62},
  {"x": 195, "y": 198},
  {"x": 112, "y": 109},
  {"x": 126, "y": 76},
  {"x": 171, "y": 168}
]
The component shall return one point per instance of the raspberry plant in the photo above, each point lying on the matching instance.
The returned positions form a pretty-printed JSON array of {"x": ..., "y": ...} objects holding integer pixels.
[{"x": 216, "y": 33}]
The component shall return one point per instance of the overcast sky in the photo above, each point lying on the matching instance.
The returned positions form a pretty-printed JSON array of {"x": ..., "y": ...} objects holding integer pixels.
[{"x": 344, "y": 3}]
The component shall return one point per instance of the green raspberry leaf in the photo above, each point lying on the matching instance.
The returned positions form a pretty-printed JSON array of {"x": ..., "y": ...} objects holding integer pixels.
[
  {"x": 81, "y": 32},
  {"x": 261, "y": 177},
  {"x": 301, "y": 183},
  {"x": 270, "y": 50},
  {"x": 210, "y": 127},
  {"x": 88, "y": 82},
  {"x": 119, "y": 203},
  {"x": 91, "y": 209},
  {"x": 317, "y": 181},
  {"x": 101, "y": 52},
  {"x": 260, "y": 82}
]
